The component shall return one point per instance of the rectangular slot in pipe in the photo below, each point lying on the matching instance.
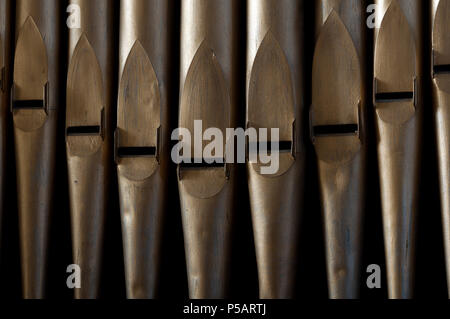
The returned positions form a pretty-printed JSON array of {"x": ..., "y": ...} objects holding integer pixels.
[
  {"x": 339, "y": 129},
  {"x": 28, "y": 104},
  {"x": 202, "y": 165},
  {"x": 83, "y": 130},
  {"x": 283, "y": 146},
  {"x": 389, "y": 97},
  {"x": 124, "y": 152},
  {"x": 441, "y": 69}
]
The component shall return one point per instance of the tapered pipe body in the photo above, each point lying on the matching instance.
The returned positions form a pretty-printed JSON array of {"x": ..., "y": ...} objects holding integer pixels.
[
  {"x": 440, "y": 24},
  {"x": 34, "y": 105},
  {"x": 208, "y": 93},
  {"x": 142, "y": 146},
  {"x": 88, "y": 135},
  {"x": 398, "y": 98},
  {"x": 5, "y": 84},
  {"x": 275, "y": 99},
  {"x": 338, "y": 133}
]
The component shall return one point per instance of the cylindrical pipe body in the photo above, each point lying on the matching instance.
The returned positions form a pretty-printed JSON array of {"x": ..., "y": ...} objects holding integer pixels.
[
  {"x": 143, "y": 126},
  {"x": 338, "y": 117},
  {"x": 440, "y": 24},
  {"x": 5, "y": 84},
  {"x": 275, "y": 100},
  {"x": 35, "y": 101},
  {"x": 398, "y": 99},
  {"x": 90, "y": 101},
  {"x": 208, "y": 85}
]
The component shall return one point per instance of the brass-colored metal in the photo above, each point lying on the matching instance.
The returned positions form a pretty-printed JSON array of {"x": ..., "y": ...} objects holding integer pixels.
[
  {"x": 34, "y": 103},
  {"x": 5, "y": 83},
  {"x": 275, "y": 99},
  {"x": 142, "y": 146},
  {"x": 88, "y": 138},
  {"x": 440, "y": 20},
  {"x": 208, "y": 93},
  {"x": 337, "y": 124},
  {"x": 398, "y": 95}
]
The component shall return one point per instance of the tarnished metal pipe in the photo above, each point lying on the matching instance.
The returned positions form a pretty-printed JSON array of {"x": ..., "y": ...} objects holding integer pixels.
[
  {"x": 440, "y": 26},
  {"x": 208, "y": 93},
  {"x": 34, "y": 104},
  {"x": 338, "y": 133},
  {"x": 141, "y": 139},
  {"x": 90, "y": 100},
  {"x": 275, "y": 99},
  {"x": 5, "y": 83},
  {"x": 398, "y": 99}
]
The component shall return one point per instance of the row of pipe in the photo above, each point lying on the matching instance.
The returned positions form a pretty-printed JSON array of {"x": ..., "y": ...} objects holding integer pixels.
[{"x": 209, "y": 79}]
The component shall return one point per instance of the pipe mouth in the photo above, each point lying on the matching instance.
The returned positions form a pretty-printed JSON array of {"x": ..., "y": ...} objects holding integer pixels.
[
  {"x": 336, "y": 130},
  {"x": 394, "y": 97},
  {"x": 212, "y": 163},
  {"x": 141, "y": 151},
  {"x": 441, "y": 69},
  {"x": 92, "y": 130}
]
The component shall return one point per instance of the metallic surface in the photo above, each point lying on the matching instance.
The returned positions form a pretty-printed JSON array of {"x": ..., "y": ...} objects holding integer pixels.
[
  {"x": 5, "y": 83},
  {"x": 88, "y": 135},
  {"x": 35, "y": 98},
  {"x": 440, "y": 17},
  {"x": 143, "y": 126},
  {"x": 275, "y": 99},
  {"x": 339, "y": 99},
  {"x": 208, "y": 92},
  {"x": 398, "y": 98}
]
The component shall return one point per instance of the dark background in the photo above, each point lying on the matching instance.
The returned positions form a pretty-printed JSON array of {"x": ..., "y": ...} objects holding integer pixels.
[{"x": 311, "y": 275}]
